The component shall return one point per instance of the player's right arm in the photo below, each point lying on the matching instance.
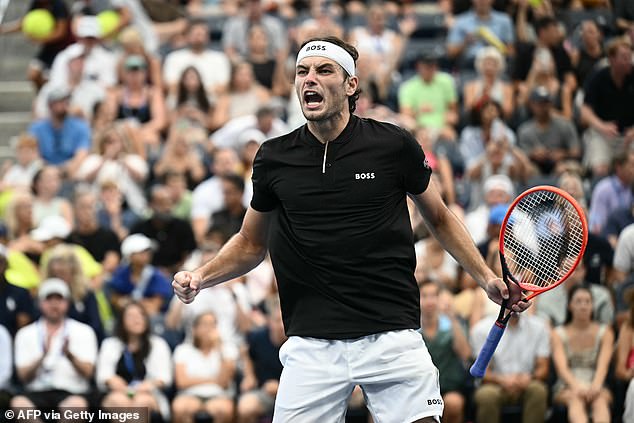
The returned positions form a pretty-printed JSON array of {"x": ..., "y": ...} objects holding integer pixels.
[{"x": 244, "y": 251}]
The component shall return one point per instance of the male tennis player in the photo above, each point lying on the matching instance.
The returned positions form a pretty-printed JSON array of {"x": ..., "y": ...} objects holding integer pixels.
[{"x": 329, "y": 205}]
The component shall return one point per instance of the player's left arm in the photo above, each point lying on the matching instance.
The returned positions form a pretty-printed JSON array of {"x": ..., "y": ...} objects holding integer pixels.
[{"x": 455, "y": 238}]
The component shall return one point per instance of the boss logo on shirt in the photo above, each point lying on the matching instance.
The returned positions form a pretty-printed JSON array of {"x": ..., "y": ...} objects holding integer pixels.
[
  {"x": 434, "y": 401},
  {"x": 368, "y": 175},
  {"x": 316, "y": 47}
]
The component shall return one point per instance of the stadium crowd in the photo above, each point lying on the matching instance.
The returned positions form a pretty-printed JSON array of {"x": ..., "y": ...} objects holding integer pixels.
[{"x": 138, "y": 160}]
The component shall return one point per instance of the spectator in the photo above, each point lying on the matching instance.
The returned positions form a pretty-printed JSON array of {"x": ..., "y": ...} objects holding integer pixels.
[
  {"x": 180, "y": 154},
  {"x": 497, "y": 189},
  {"x": 21, "y": 271},
  {"x": 99, "y": 63},
  {"x": 6, "y": 367},
  {"x": 547, "y": 50},
  {"x": 228, "y": 220},
  {"x": 553, "y": 304},
  {"x": 449, "y": 348},
  {"x": 606, "y": 110},
  {"x": 323, "y": 18},
  {"x": 546, "y": 138},
  {"x": 624, "y": 14},
  {"x": 267, "y": 69},
  {"x": 19, "y": 221},
  {"x": 28, "y": 161},
  {"x": 624, "y": 256},
  {"x": 56, "y": 41},
  {"x": 243, "y": 97},
  {"x": 430, "y": 97},
  {"x": 490, "y": 83},
  {"x": 191, "y": 101},
  {"x": 118, "y": 157},
  {"x": 100, "y": 242},
  {"x": 47, "y": 200},
  {"x": 262, "y": 368},
  {"x": 55, "y": 356},
  {"x": 433, "y": 263},
  {"x": 174, "y": 236},
  {"x": 204, "y": 370},
  {"x": 134, "y": 366},
  {"x": 139, "y": 105},
  {"x": 238, "y": 131},
  {"x": 64, "y": 140},
  {"x": 589, "y": 53},
  {"x": 94, "y": 8},
  {"x": 213, "y": 66},
  {"x": 64, "y": 264},
  {"x": 477, "y": 28},
  {"x": 582, "y": 350},
  {"x": 618, "y": 219},
  {"x": 485, "y": 126},
  {"x": 612, "y": 192},
  {"x": 137, "y": 280},
  {"x": 176, "y": 183},
  {"x": 113, "y": 212},
  {"x": 16, "y": 307},
  {"x": 207, "y": 197},
  {"x": 381, "y": 46},
  {"x": 236, "y": 30},
  {"x": 84, "y": 94},
  {"x": 624, "y": 358},
  {"x": 518, "y": 370},
  {"x": 134, "y": 45}
]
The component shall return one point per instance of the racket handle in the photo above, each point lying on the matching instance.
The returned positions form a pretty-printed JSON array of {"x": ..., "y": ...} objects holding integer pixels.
[{"x": 479, "y": 368}]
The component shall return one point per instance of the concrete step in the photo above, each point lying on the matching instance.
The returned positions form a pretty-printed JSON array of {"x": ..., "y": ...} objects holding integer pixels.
[
  {"x": 11, "y": 124},
  {"x": 16, "y": 96}
]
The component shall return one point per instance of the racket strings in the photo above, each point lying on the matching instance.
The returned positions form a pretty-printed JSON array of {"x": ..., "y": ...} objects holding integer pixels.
[{"x": 543, "y": 239}]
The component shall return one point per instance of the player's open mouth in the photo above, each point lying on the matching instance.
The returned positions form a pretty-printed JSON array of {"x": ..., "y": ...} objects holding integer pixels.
[{"x": 312, "y": 99}]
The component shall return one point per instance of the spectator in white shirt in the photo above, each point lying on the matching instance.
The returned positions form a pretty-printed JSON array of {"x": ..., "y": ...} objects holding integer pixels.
[
  {"x": 54, "y": 356},
  {"x": 213, "y": 66}
]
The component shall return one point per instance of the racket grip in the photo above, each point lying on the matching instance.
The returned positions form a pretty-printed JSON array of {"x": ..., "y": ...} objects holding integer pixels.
[{"x": 479, "y": 368}]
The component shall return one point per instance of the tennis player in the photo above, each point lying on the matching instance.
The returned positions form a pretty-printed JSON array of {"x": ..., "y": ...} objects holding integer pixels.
[{"x": 329, "y": 205}]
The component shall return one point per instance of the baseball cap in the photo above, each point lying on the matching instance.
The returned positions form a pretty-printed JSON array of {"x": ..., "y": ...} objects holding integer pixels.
[
  {"x": 51, "y": 227},
  {"x": 53, "y": 286},
  {"x": 88, "y": 26},
  {"x": 58, "y": 94},
  {"x": 134, "y": 61},
  {"x": 501, "y": 182},
  {"x": 136, "y": 243},
  {"x": 541, "y": 95},
  {"x": 497, "y": 213}
]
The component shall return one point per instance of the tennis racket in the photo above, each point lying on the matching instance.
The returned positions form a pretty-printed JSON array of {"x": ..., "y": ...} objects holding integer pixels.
[{"x": 542, "y": 240}]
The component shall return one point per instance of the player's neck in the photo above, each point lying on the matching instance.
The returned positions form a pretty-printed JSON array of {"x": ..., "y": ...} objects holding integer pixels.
[{"x": 329, "y": 129}]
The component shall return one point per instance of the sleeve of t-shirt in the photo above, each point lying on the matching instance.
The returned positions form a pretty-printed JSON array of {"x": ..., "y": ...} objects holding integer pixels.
[
  {"x": 416, "y": 170},
  {"x": 24, "y": 304},
  {"x": 507, "y": 35},
  {"x": 456, "y": 35},
  {"x": 83, "y": 344},
  {"x": 159, "y": 285},
  {"x": 264, "y": 199},
  {"x": 119, "y": 283},
  {"x": 26, "y": 348},
  {"x": 543, "y": 341},
  {"x": 624, "y": 251},
  {"x": 451, "y": 94},
  {"x": 83, "y": 135}
]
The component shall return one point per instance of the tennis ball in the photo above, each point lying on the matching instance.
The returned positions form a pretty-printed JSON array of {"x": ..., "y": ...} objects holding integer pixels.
[
  {"x": 38, "y": 23},
  {"x": 108, "y": 21}
]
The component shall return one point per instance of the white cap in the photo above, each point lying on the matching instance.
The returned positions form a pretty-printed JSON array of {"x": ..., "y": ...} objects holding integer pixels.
[
  {"x": 88, "y": 26},
  {"x": 53, "y": 286},
  {"x": 51, "y": 227},
  {"x": 136, "y": 243},
  {"x": 501, "y": 182}
]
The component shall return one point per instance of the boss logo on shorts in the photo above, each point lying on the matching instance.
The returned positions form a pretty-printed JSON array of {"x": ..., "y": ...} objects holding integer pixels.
[
  {"x": 316, "y": 47},
  {"x": 435, "y": 401},
  {"x": 367, "y": 175}
]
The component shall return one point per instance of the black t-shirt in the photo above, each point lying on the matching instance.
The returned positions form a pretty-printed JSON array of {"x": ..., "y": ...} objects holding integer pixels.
[
  {"x": 341, "y": 242},
  {"x": 60, "y": 12},
  {"x": 175, "y": 239},
  {"x": 597, "y": 258},
  {"x": 97, "y": 243},
  {"x": 14, "y": 300},
  {"x": 609, "y": 102},
  {"x": 525, "y": 56},
  {"x": 264, "y": 355}
]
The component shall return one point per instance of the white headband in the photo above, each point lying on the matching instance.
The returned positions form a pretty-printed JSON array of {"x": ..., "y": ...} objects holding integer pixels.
[{"x": 329, "y": 50}]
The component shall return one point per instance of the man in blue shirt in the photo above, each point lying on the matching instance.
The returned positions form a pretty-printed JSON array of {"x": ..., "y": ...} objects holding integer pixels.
[
  {"x": 477, "y": 28},
  {"x": 63, "y": 140}
]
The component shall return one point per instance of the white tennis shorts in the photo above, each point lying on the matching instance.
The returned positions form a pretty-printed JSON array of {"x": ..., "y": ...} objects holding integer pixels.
[{"x": 394, "y": 370}]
